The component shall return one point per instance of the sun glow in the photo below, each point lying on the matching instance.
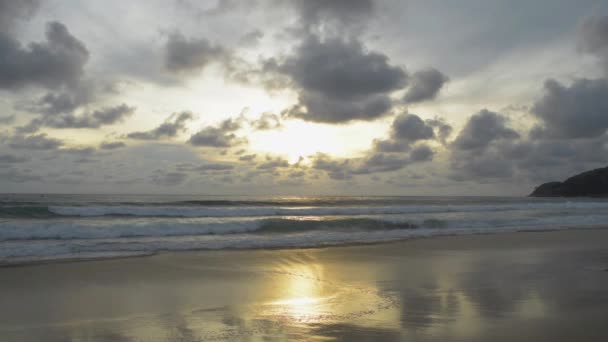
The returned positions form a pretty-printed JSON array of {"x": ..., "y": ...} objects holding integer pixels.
[
  {"x": 301, "y": 300},
  {"x": 302, "y": 139}
]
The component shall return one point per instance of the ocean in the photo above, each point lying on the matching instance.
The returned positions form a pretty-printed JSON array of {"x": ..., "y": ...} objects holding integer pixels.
[{"x": 38, "y": 228}]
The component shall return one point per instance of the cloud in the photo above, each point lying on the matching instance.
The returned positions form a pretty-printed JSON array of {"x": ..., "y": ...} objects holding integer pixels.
[
  {"x": 335, "y": 169},
  {"x": 207, "y": 167},
  {"x": 409, "y": 128},
  {"x": 528, "y": 160},
  {"x": 425, "y": 85},
  {"x": 7, "y": 120},
  {"x": 95, "y": 119},
  {"x": 481, "y": 168},
  {"x": 339, "y": 81},
  {"x": 247, "y": 157},
  {"x": 6, "y": 158},
  {"x": 19, "y": 176},
  {"x": 273, "y": 163},
  {"x": 172, "y": 126},
  {"x": 57, "y": 62},
  {"x": 577, "y": 111},
  {"x": 336, "y": 16},
  {"x": 168, "y": 178},
  {"x": 65, "y": 101},
  {"x": 220, "y": 136},
  {"x": 594, "y": 38},
  {"x": 483, "y": 128},
  {"x": 266, "y": 121},
  {"x": 403, "y": 147},
  {"x": 12, "y": 11},
  {"x": 34, "y": 142},
  {"x": 380, "y": 162},
  {"x": 251, "y": 39},
  {"x": 184, "y": 55},
  {"x": 443, "y": 130},
  {"x": 112, "y": 145},
  {"x": 213, "y": 167},
  {"x": 421, "y": 153},
  {"x": 487, "y": 150}
]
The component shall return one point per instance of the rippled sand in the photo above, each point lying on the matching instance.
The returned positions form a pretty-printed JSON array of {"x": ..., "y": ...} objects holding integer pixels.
[{"x": 509, "y": 287}]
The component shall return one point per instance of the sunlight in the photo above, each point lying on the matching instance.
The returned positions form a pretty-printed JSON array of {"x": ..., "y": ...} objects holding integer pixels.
[
  {"x": 298, "y": 138},
  {"x": 302, "y": 299}
]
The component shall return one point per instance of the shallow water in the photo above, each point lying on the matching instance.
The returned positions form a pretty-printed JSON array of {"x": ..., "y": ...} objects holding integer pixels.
[{"x": 53, "y": 227}]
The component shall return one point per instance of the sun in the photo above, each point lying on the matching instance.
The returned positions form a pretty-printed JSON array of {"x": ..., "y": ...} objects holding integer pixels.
[{"x": 302, "y": 139}]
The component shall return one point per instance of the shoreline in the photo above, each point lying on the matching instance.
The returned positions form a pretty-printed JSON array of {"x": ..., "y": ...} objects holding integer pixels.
[{"x": 28, "y": 263}]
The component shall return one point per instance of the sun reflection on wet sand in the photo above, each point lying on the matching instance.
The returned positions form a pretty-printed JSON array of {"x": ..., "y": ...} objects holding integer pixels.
[{"x": 303, "y": 296}]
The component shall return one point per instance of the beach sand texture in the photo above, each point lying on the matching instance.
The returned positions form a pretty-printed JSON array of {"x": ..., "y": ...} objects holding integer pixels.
[{"x": 549, "y": 286}]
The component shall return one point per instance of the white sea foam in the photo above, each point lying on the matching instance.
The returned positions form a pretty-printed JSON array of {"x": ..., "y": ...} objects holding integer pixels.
[
  {"x": 18, "y": 252},
  {"x": 33, "y": 231}
]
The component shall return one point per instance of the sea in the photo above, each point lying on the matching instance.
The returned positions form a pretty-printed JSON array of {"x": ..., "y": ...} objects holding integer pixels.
[{"x": 43, "y": 228}]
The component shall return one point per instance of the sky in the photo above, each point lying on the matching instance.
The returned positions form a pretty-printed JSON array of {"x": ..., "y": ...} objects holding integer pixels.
[{"x": 302, "y": 97}]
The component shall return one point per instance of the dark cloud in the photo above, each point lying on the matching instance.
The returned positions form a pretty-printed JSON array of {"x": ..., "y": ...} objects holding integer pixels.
[
  {"x": 95, "y": 119},
  {"x": 19, "y": 176},
  {"x": 6, "y": 158},
  {"x": 335, "y": 168},
  {"x": 7, "y": 120},
  {"x": 247, "y": 157},
  {"x": 266, "y": 121},
  {"x": 57, "y": 62},
  {"x": 251, "y": 39},
  {"x": 34, "y": 142},
  {"x": 173, "y": 125},
  {"x": 483, "y": 128},
  {"x": 488, "y": 150},
  {"x": 410, "y": 128},
  {"x": 168, "y": 178},
  {"x": 578, "y": 111},
  {"x": 213, "y": 167},
  {"x": 390, "y": 145},
  {"x": 335, "y": 16},
  {"x": 480, "y": 167},
  {"x": 594, "y": 38},
  {"x": 81, "y": 155},
  {"x": 12, "y": 11},
  {"x": 425, "y": 85},
  {"x": 184, "y": 55},
  {"x": 374, "y": 162},
  {"x": 380, "y": 162},
  {"x": 112, "y": 145},
  {"x": 421, "y": 153},
  {"x": 443, "y": 130},
  {"x": 65, "y": 101},
  {"x": 340, "y": 81},
  {"x": 220, "y": 136},
  {"x": 529, "y": 160},
  {"x": 271, "y": 164},
  {"x": 79, "y": 151},
  {"x": 205, "y": 168},
  {"x": 480, "y": 151}
]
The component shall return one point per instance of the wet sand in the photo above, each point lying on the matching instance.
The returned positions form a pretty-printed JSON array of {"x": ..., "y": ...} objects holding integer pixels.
[{"x": 550, "y": 286}]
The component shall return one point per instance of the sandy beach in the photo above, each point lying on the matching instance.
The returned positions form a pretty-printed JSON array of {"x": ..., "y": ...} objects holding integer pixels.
[{"x": 549, "y": 286}]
